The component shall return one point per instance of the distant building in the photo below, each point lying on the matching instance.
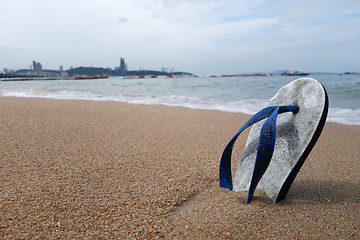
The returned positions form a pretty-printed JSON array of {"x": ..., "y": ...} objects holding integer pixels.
[
  {"x": 123, "y": 67},
  {"x": 8, "y": 71},
  {"x": 61, "y": 68},
  {"x": 37, "y": 68},
  {"x": 168, "y": 70}
]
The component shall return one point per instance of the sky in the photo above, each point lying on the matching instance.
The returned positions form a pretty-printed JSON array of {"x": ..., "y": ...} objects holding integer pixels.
[{"x": 197, "y": 36}]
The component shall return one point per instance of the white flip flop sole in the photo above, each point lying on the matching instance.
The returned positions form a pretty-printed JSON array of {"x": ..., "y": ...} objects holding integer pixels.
[{"x": 296, "y": 134}]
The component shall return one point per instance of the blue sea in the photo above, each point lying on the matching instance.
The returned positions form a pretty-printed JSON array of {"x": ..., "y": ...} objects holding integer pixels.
[{"x": 229, "y": 94}]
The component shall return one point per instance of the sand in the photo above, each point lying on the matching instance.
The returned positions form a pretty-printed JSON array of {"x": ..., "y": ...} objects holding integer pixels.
[{"x": 86, "y": 169}]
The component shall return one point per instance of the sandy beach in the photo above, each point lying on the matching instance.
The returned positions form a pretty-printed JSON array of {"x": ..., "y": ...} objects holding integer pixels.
[{"x": 97, "y": 170}]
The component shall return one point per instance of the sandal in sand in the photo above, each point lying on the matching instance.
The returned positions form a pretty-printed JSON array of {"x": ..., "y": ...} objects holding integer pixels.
[{"x": 278, "y": 146}]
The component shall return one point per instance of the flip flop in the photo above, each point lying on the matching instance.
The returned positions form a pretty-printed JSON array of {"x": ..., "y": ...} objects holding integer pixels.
[{"x": 282, "y": 137}]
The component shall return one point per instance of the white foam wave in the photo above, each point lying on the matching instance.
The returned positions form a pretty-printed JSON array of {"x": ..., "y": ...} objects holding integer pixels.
[
  {"x": 248, "y": 106},
  {"x": 243, "y": 106},
  {"x": 344, "y": 116}
]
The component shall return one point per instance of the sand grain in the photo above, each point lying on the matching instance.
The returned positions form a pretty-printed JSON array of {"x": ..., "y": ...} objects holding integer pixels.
[{"x": 82, "y": 169}]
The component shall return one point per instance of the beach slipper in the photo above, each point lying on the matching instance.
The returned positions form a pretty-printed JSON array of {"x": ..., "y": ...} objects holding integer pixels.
[{"x": 282, "y": 137}]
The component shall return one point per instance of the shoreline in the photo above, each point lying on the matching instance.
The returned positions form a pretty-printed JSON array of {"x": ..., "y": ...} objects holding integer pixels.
[
  {"x": 90, "y": 169},
  {"x": 333, "y": 114}
]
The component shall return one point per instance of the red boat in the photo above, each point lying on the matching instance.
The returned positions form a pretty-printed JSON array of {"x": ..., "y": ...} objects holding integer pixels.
[{"x": 94, "y": 77}]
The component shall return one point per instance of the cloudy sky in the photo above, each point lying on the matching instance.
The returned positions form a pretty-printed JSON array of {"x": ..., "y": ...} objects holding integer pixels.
[{"x": 198, "y": 36}]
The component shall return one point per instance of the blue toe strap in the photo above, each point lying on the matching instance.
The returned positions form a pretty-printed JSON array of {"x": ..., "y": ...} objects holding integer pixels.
[
  {"x": 265, "y": 151},
  {"x": 265, "y": 147}
]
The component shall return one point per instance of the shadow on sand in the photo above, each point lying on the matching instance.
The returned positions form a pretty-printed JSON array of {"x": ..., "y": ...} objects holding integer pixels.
[{"x": 324, "y": 191}]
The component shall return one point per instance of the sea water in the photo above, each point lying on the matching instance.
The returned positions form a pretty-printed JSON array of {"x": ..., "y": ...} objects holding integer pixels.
[{"x": 230, "y": 94}]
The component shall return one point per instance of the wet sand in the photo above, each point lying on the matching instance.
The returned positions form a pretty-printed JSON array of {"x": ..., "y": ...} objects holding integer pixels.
[{"x": 86, "y": 169}]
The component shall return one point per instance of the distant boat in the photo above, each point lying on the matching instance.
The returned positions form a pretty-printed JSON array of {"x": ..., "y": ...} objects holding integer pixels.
[
  {"x": 348, "y": 73},
  {"x": 296, "y": 73},
  {"x": 93, "y": 77}
]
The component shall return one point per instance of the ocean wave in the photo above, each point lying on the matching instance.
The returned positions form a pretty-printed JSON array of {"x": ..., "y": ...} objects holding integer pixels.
[
  {"x": 246, "y": 106},
  {"x": 344, "y": 116}
]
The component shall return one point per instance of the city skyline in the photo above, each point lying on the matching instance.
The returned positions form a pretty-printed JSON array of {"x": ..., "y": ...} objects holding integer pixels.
[
  {"x": 121, "y": 69},
  {"x": 36, "y": 70},
  {"x": 201, "y": 37}
]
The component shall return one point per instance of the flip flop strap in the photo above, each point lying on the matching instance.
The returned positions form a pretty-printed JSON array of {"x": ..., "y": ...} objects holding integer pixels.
[
  {"x": 265, "y": 151},
  {"x": 225, "y": 177}
]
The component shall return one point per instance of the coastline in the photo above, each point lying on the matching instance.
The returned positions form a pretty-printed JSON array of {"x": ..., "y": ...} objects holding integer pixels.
[
  {"x": 87, "y": 169},
  {"x": 195, "y": 93}
]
